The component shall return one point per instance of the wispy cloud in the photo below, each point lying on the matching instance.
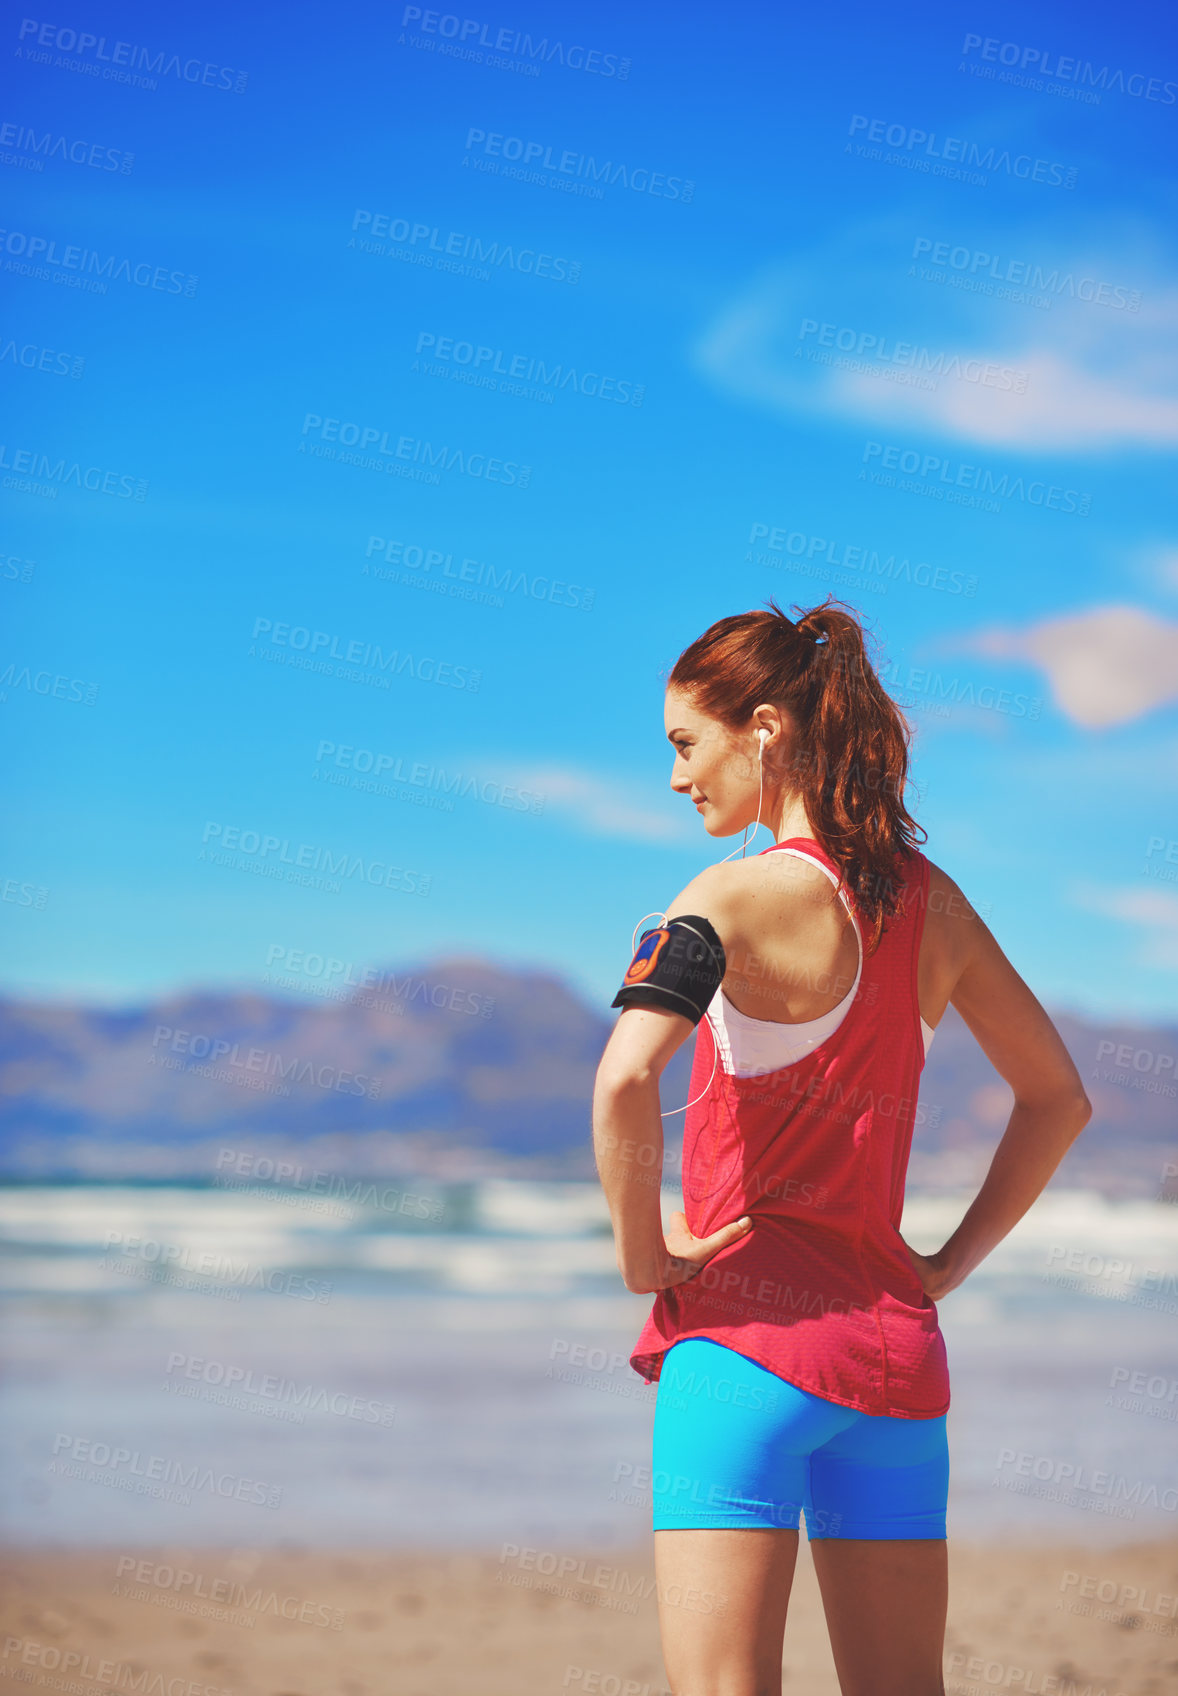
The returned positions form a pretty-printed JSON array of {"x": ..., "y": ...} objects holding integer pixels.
[
  {"x": 1106, "y": 666},
  {"x": 1153, "y": 911},
  {"x": 1063, "y": 406},
  {"x": 604, "y": 806},
  {"x": 1079, "y": 377},
  {"x": 1164, "y": 565}
]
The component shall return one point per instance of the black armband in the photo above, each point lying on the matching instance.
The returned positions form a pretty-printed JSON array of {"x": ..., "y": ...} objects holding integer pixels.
[{"x": 679, "y": 966}]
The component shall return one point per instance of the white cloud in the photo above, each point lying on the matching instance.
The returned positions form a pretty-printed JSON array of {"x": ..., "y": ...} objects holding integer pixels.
[
  {"x": 1063, "y": 405},
  {"x": 1096, "y": 376},
  {"x": 605, "y": 807},
  {"x": 1164, "y": 563},
  {"x": 1106, "y": 666},
  {"x": 1155, "y": 911}
]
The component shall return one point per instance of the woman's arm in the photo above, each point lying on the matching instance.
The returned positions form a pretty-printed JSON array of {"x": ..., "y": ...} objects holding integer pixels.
[
  {"x": 627, "y": 1124},
  {"x": 628, "y": 1145},
  {"x": 1050, "y": 1109}
]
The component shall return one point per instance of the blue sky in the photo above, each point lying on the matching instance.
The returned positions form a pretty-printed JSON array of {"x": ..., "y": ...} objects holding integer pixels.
[{"x": 755, "y": 464}]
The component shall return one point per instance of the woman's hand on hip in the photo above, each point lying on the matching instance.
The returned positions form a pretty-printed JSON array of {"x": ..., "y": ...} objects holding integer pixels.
[
  {"x": 936, "y": 1277},
  {"x": 685, "y": 1254}
]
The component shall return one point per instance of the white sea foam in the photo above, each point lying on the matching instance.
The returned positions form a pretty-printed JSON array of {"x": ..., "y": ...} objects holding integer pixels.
[
  {"x": 504, "y": 1347},
  {"x": 532, "y": 1239}
]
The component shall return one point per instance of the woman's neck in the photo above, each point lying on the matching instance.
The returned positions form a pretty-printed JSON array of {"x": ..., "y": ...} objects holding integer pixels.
[{"x": 791, "y": 820}]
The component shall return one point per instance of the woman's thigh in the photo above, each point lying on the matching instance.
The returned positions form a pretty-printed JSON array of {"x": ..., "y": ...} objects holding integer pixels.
[
  {"x": 723, "y": 1597},
  {"x": 729, "y": 1469},
  {"x": 738, "y": 1453},
  {"x": 875, "y": 1516},
  {"x": 885, "y": 1604}
]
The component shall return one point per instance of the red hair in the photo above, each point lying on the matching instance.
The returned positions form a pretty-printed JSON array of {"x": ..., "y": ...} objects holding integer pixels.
[{"x": 850, "y": 765}]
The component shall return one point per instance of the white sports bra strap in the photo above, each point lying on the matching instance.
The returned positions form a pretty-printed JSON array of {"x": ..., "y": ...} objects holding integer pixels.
[{"x": 749, "y": 1047}]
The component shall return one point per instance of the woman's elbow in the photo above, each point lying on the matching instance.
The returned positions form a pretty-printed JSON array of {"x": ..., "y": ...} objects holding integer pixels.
[
  {"x": 1073, "y": 1109},
  {"x": 635, "y": 1282},
  {"x": 618, "y": 1080},
  {"x": 1067, "y": 1105}
]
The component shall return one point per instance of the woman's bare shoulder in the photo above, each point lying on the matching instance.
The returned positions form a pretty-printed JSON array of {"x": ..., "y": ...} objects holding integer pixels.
[
  {"x": 948, "y": 901},
  {"x": 956, "y": 937},
  {"x": 732, "y": 889}
]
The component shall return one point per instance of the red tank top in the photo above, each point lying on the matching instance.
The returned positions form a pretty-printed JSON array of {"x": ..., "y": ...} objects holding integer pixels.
[{"x": 820, "y": 1290}]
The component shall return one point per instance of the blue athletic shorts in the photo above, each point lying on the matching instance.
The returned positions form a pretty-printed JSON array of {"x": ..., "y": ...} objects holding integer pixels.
[{"x": 737, "y": 1447}]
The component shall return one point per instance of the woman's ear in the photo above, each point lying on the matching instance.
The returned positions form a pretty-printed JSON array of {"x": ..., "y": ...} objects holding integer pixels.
[{"x": 767, "y": 724}]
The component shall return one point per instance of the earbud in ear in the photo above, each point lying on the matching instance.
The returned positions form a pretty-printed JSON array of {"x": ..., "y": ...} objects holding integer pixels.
[{"x": 762, "y": 738}]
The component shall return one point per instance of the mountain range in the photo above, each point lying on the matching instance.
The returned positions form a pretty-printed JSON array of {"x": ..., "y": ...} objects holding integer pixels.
[{"x": 465, "y": 1068}]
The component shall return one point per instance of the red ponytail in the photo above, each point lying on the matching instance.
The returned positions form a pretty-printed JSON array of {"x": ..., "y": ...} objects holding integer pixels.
[{"x": 850, "y": 765}]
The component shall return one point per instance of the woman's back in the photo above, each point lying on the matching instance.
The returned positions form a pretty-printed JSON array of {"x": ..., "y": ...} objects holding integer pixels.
[
  {"x": 792, "y": 950},
  {"x": 814, "y": 1150}
]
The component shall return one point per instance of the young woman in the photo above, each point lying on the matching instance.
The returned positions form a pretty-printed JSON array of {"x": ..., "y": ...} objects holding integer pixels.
[{"x": 794, "y": 1335}]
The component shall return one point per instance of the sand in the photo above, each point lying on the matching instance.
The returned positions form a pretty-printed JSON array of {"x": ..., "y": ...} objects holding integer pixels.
[{"x": 1055, "y": 1621}]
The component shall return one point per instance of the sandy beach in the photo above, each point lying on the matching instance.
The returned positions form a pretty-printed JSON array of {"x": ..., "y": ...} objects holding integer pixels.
[
  {"x": 1060, "y": 1620},
  {"x": 492, "y": 1540}
]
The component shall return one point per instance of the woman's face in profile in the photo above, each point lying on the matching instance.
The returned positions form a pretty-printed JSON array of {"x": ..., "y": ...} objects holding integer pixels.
[{"x": 714, "y": 766}]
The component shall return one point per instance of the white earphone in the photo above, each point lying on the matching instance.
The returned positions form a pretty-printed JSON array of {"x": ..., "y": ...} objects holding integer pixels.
[{"x": 762, "y": 737}]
